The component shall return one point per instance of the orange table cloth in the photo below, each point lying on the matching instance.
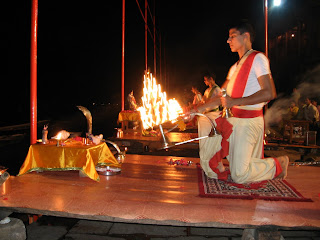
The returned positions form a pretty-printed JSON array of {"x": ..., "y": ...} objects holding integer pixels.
[
  {"x": 129, "y": 116},
  {"x": 72, "y": 156}
]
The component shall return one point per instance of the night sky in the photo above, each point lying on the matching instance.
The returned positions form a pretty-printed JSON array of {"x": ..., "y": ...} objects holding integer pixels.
[{"x": 79, "y": 49}]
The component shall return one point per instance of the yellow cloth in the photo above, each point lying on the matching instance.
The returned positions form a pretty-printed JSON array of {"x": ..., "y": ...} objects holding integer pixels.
[
  {"x": 128, "y": 116},
  {"x": 72, "y": 156},
  {"x": 292, "y": 112}
]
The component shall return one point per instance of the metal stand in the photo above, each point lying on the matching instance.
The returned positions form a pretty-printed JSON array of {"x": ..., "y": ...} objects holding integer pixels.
[{"x": 166, "y": 143}]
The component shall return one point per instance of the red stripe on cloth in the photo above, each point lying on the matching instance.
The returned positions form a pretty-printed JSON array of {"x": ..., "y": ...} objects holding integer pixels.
[
  {"x": 225, "y": 129},
  {"x": 263, "y": 139},
  {"x": 242, "y": 77},
  {"x": 242, "y": 113},
  {"x": 278, "y": 167}
]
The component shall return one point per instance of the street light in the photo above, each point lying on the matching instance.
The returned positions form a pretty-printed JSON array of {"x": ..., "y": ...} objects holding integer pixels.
[
  {"x": 276, "y": 3},
  {"x": 266, "y": 26}
]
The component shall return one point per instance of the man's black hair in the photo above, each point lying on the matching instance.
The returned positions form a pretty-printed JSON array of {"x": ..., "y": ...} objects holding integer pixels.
[
  {"x": 245, "y": 26},
  {"x": 209, "y": 75}
]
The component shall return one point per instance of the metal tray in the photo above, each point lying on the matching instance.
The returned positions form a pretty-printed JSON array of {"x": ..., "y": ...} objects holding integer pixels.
[{"x": 108, "y": 171}]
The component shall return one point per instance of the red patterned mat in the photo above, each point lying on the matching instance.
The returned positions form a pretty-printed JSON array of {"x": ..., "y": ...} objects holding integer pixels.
[{"x": 274, "y": 190}]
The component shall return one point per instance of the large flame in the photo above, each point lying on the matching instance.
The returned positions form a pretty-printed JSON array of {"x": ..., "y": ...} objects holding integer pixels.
[{"x": 156, "y": 109}]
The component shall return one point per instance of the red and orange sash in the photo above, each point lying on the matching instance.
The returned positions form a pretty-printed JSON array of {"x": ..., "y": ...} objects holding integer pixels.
[{"x": 241, "y": 78}]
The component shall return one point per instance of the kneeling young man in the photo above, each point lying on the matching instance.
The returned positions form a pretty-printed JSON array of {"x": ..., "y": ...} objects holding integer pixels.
[{"x": 249, "y": 85}]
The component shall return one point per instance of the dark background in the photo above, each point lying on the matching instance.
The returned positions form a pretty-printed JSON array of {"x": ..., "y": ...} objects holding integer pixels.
[
  {"x": 79, "y": 57},
  {"x": 79, "y": 50}
]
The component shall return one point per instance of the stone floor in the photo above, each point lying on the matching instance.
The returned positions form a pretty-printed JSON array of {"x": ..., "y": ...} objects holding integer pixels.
[{"x": 58, "y": 228}]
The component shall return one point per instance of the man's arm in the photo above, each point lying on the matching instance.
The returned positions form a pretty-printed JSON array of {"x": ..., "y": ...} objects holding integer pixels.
[{"x": 267, "y": 93}]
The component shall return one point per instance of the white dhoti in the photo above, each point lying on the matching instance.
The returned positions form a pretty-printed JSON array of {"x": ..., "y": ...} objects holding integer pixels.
[
  {"x": 245, "y": 153},
  {"x": 206, "y": 149}
]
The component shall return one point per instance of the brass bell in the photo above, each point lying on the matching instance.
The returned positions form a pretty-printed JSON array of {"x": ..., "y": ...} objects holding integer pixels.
[{"x": 226, "y": 112}]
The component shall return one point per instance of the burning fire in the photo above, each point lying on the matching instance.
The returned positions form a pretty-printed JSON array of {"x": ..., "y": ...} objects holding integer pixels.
[{"x": 156, "y": 109}]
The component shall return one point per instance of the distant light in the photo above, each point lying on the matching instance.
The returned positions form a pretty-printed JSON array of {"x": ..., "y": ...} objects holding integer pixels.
[
  {"x": 292, "y": 35},
  {"x": 277, "y": 3}
]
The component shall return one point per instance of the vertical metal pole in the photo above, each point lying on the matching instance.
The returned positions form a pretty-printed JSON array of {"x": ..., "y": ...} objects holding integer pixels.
[
  {"x": 154, "y": 42},
  {"x": 122, "y": 56},
  {"x": 33, "y": 72},
  {"x": 165, "y": 142},
  {"x": 165, "y": 66},
  {"x": 266, "y": 25},
  {"x": 146, "y": 32},
  {"x": 266, "y": 35},
  {"x": 160, "y": 56}
]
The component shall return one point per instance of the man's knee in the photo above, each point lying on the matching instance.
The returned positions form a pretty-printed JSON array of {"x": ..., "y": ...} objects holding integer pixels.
[{"x": 239, "y": 176}]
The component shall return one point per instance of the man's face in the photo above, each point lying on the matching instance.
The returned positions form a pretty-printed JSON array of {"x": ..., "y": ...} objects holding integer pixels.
[
  {"x": 235, "y": 40},
  {"x": 308, "y": 102},
  {"x": 206, "y": 81}
]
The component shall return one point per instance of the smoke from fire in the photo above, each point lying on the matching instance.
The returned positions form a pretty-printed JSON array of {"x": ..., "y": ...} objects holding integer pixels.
[{"x": 309, "y": 87}]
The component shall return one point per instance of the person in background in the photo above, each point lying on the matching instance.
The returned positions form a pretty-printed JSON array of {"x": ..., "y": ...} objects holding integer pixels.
[
  {"x": 204, "y": 125},
  {"x": 212, "y": 90},
  {"x": 301, "y": 106},
  {"x": 311, "y": 114},
  {"x": 292, "y": 110},
  {"x": 315, "y": 103},
  {"x": 290, "y": 114},
  {"x": 197, "y": 96},
  {"x": 132, "y": 101},
  {"x": 317, "y": 124},
  {"x": 296, "y": 95},
  {"x": 196, "y": 100}
]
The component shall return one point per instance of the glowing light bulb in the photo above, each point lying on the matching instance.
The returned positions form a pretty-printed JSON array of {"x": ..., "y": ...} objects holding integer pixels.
[{"x": 277, "y": 3}]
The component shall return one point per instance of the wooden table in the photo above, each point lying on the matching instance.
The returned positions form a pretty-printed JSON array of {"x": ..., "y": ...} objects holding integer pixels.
[
  {"x": 296, "y": 130},
  {"x": 72, "y": 156},
  {"x": 127, "y": 116}
]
